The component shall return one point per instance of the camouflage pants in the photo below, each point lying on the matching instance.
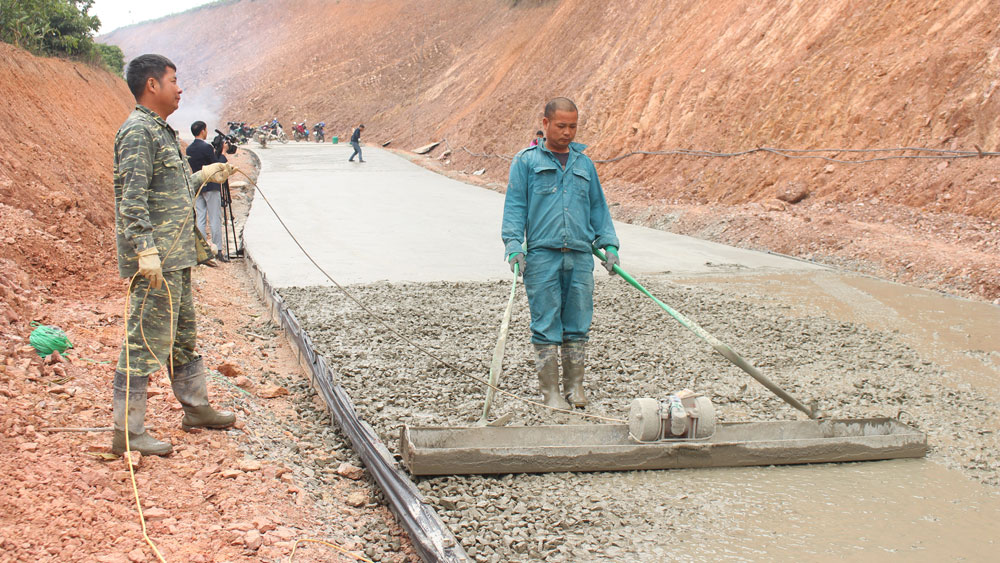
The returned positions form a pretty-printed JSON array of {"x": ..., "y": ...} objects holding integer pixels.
[{"x": 167, "y": 324}]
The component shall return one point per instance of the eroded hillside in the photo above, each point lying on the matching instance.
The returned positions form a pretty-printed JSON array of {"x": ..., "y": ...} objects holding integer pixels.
[
  {"x": 57, "y": 127},
  {"x": 655, "y": 76}
]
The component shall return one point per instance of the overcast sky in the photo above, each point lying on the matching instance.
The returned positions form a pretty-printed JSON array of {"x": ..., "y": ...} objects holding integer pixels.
[{"x": 119, "y": 13}]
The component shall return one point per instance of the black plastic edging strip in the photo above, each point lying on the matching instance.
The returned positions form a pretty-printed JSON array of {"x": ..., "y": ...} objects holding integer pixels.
[{"x": 431, "y": 538}]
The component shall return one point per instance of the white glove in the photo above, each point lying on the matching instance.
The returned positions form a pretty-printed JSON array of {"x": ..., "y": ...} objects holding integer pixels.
[
  {"x": 218, "y": 172},
  {"x": 150, "y": 268}
]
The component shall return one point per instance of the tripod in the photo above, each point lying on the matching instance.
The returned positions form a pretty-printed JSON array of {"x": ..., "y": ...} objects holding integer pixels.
[{"x": 229, "y": 222}]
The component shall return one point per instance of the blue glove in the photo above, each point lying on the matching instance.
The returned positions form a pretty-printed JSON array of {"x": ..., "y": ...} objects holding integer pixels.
[
  {"x": 610, "y": 259},
  {"x": 516, "y": 259}
]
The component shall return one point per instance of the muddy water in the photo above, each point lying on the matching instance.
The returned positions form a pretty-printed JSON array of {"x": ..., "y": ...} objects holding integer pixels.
[
  {"x": 921, "y": 510},
  {"x": 892, "y": 510},
  {"x": 959, "y": 334},
  {"x": 860, "y": 348}
]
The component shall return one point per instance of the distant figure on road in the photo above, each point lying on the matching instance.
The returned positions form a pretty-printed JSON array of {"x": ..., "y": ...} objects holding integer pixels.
[
  {"x": 356, "y": 143},
  {"x": 539, "y": 137},
  {"x": 555, "y": 202}
]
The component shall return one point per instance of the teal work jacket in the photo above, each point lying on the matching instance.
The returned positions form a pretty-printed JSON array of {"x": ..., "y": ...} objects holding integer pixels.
[{"x": 555, "y": 208}]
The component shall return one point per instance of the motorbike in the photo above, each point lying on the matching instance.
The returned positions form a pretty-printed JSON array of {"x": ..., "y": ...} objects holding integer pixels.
[
  {"x": 271, "y": 132},
  {"x": 299, "y": 132},
  {"x": 279, "y": 134},
  {"x": 240, "y": 131},
  {"x": 320, "y": 135}
]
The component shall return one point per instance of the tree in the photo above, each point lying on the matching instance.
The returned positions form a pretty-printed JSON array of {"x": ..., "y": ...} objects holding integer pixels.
[
  {"x": 112, "y": 57},
  {"x": 58, "y": 28}
]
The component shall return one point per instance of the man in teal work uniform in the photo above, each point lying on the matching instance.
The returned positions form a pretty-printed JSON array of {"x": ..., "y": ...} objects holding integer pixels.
[
  {"x": 555, "y": 202},
  {"x": 158, "y": 243}
]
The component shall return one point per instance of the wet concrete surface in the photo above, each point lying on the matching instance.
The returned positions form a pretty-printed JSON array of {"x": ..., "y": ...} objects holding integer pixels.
[
  {"x": 389, "y": 219},
  {"x": 635, "y": 350},
  {"x": 860, "y": 347}
]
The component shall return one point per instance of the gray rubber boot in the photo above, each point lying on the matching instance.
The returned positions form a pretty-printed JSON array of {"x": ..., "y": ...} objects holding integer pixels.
[
  {"x": 547, "y": 364},
  {"x": 191, "y": 389},
  {"x": 574, "y": 357},
  {"x": 134, "y": 420}
]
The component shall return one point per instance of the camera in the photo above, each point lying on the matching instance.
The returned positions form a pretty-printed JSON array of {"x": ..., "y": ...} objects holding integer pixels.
[{"x": 220, "y": 138}]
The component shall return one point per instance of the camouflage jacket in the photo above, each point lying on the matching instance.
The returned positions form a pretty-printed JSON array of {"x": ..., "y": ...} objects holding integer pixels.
[{"x": 154, "y": 195}]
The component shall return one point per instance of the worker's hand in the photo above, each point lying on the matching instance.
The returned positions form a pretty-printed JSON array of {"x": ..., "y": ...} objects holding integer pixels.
[
  {"x": 610, "y": 259},
  {"x": 218, "y": 172},
  {"x": 150, "y": 268},
  {"x": 517, "y": 259}
]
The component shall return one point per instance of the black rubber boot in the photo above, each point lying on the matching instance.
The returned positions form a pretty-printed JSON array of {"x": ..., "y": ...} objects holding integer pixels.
[
  {"x": 133, "y": 418},
  {"x": 547, "y": 364},
  {"x": 191, "y": 389},
  {"x": 574, "y": 356}
]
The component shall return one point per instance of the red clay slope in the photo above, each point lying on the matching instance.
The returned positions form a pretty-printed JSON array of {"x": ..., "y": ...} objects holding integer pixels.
[
  {"x": 57, "y": 127},
  {"x": 647, "y": 76}
]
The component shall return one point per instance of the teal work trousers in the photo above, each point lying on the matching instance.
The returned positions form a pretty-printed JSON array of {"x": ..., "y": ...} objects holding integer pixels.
[{"x": 560, "y": 288}]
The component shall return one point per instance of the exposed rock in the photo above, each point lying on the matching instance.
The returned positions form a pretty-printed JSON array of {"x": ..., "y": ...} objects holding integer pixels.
[
  {"x": 229, "y": 370},
  {"x": 350, "y": 471},
  {"x": 153, "y": 514},
  {"x": 357, "y": 498},
  {"x": 249, "y": 465},
  {"x": 253, "y": 539},
  {"x": 271, "y": 391},
  {"x": 794, "y": 194}
]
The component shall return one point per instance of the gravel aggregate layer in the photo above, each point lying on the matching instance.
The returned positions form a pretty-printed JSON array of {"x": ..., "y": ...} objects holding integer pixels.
[
  {"x": 311, "y": 449},
  {"x": 635, "y": 350}
]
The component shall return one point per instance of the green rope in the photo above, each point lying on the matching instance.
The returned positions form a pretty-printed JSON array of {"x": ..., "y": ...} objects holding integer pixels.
[{"x": 48, "y": 339}]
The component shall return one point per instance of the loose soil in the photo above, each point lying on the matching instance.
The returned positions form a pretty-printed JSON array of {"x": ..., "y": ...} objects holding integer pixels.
[{"x": 245, "y": 494}]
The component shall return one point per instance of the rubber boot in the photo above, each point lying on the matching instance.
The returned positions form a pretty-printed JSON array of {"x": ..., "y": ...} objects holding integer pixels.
[
  {"x": 133, "y": 419},
  {"x": 574, "y": 356},
  {"x": 547, "y": 364},
  {"x": 191, "y": 389}
]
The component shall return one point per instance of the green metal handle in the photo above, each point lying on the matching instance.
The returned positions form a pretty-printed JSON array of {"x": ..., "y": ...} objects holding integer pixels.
[{"x": 719, "y": 347}]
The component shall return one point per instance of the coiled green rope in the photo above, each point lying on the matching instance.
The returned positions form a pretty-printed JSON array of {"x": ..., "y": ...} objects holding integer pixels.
[{"x": 48, "y": 339}]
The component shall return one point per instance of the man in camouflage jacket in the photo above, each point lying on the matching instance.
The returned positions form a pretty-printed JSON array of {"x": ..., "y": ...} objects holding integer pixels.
[{"x": 158, "y": 244}]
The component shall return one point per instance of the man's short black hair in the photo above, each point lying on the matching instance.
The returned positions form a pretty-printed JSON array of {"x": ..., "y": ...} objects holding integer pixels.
[
  {"x": 539, "y": 132},
  {"x": 144, "y": 67},
  {"x": 362, "y": 126},
  {"x": 559, "y": 104},
  {"x": 197, "y": 127}
]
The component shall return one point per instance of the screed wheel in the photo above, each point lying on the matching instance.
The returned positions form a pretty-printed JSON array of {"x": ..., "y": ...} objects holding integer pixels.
[
  {"x": 644, "y": 420},
  {"x": 706, "y": 417}
]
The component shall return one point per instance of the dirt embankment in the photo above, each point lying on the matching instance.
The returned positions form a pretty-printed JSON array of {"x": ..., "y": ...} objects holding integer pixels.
[
  {"x": 655, "y": 76},
  {"x": 57, "y": 127},
  {"x": 242, "y": 495}
]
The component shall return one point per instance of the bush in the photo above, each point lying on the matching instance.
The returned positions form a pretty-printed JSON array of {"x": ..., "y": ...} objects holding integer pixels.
[
  {"x": 57, "y": 28},
  {"x": 112, "y": 57}
]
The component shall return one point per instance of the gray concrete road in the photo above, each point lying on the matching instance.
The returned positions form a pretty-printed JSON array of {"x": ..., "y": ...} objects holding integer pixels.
[{"x": 390, "y": 219}]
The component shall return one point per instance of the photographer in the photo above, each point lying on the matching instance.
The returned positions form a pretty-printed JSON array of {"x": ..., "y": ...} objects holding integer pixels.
[{"x": 209, "y": 203}]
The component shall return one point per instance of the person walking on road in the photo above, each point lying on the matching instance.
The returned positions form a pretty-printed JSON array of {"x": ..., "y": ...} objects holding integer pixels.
[
  {"x": 156, "y": 238},
  {"x": 356, "y": 143},
  {"x": 555, "y": 201}
]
